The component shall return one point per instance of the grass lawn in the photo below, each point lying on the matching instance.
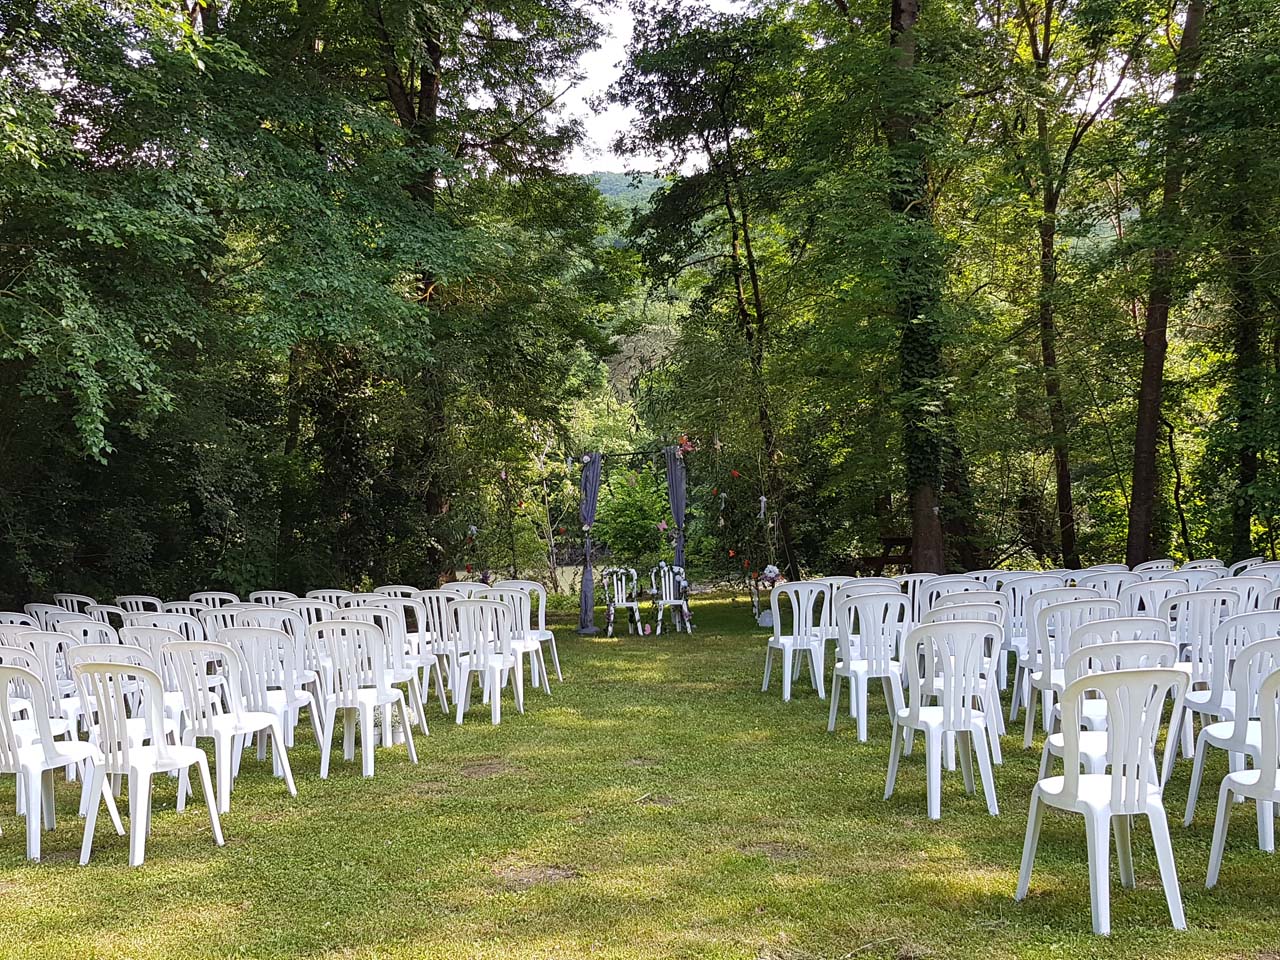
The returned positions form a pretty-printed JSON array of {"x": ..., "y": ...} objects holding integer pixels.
[{"x": 657, "y": 805}]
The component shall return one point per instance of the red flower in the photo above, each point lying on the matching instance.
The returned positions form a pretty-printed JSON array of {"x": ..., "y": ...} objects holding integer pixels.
[
  {"x": 562, "y": 529},
  {"x": 732, "y": 553},
  {"x": 715, "y": 492},
  {"x": 744, "y": 564},
  {"x": 468, "y": 568},
  {"x": 735, "y": 474}
]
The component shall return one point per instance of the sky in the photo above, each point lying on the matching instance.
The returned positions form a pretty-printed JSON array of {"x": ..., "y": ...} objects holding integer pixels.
[{"x": 601, "y": 69}]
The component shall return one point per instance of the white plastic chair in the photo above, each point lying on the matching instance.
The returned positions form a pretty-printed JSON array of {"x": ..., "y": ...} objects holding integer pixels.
[
  {"x": 272, "y": 597},
  {"x": 1211, "y": 697},
  {"x": 1250, "y": 589},
  {"x": 1196, "y": 577},
  {"x": 522, "y": 644},
  {"x": 213, "y": 598},
  {"x": 953, "y": 655},
  {"x": 103, "y": 612},
  {"x": 439, "y": 630},
  {"x": 355, "y": 683},
  {"x": 1238, "y": 568},
  {"x": 11, "y": 618},
  {"x": 1144, "y": 599},
  {"x": 1207, "y": 563},
  {"x": 870, "y": 653},
  {"x": 400, "y": 590},
  {"x": 419, "y": 651},
  {"x": 1269, "y": 570},
  {"x": 620, "y": 591},
  {"x": 1022, "y": 649},
  {"x": 329, "y": 595},
  {"x": 1134, "y": 703},
  {"x": 805, "y": 639},
  {"x": 944, "y": 586},
  {"x": 74, "y": 602},
  {"x": 913, "y": 584},
  {"x": 540, "y": 632},
  {"x": 46, "y": 614},
  {"x": 1108, "y": 582},
  {"x": 671, "y": 592},
  {"x": 395, "y": 660},
  {"x": 104, "y": 684},
  {"x": 137, "y": 603},
  {"x": 32, "y": 753},
  {"x": 1055, "y": 623},
  {"x": 1270, "y": 600},
  {"x": 1258, "y": 784},
  {"x": 273, "y": 680},
  {"x": 482, "y": 648},
  {"x": 1240, "y": 734}
]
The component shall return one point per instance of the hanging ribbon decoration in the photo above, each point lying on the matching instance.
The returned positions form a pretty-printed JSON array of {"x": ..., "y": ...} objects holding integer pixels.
[{"x": 764, "y": 502}]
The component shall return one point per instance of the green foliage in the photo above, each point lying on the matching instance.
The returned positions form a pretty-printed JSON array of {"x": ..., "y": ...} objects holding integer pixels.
[{"x": 628, "y": 514}]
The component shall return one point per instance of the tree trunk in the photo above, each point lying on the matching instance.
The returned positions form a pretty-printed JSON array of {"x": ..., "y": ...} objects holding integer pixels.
[
  {"x": 1052, "y": 385},
  {"x": 1164, "y": 265},
  {"x": 917, "y": 300}
]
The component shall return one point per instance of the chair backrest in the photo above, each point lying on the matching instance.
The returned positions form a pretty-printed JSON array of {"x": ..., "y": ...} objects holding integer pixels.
[
  {"x": 136, "y": 602},
  {"x": 1119, "y": 655},
  {"x": 1117, "y": 630},
  {"x": 357, "y": 599},
  {"x": 269, "y": 660},
  {"x": 619, "y": 585},
  {"x": 1056, "y": 595},
  {"x": 1108, "y": 582},
  {"x": 184, "y": 625},
  {"x": 666, "y": 580},
  {"x": 954, "y": 656},
  {"x": 328, "y": 595},
  {"x": 103, "y": 612},
  {"x": 912, "y": 584},
  {"x": 862, "y": 588},
  {"x": 14, "y": 619},
  {"x": 947, "y": 585},
  {"x": 1157, "y": 565},
  {"x": 192, "y": 663},
  {"x": 1251, "y": 589},
  {"x": 82, "y": 630},
  {"x": 356, "y": 652},
  {"x": 19, "y": 681},
  {"x": 1253, "y": 664},
  {"x": 534, "y": 589},
  {"x": 977, "y": 610},
  {"x": 152, "y": 640},
  {"x": 1268, "y": 707},
  {"x": 1196, "y": 577},
  {"x": 107, "y": 684},
  {"x": 1143, "y": 599},
  {"x": 880, "y": 620},
  {"x": 439, "y": 625},
  {"x": 1135, "y": 706},
  {"x": 1109, "y": 568},
  {"x": 997, "y": 597},
  {"x": 1270, "y": 600},
  {"x": 74, "y": 602},
  {"x": 1208, "y": 563},
  {"x": 1243, "y": 565},
  {"x": 213, "y": 598},
  {"x": 43, "y": 613},
  {"x": 390, "y": 625},
  {"x": 804, "y": 598},
  {"x": 188, "y": 608},
  {"x": 396, "y": 590},
  {"x": 521, "y": 604},
  {"x": 1020, "y": 590},
  {"x": 310, "y": 610},
  {"x": 271, "y": 597},
  {"x": 11, "y": 634},
  {"x": 277, "y": 618},
  {"x": 1230, "y": 637},
  {"x": 1270, "y": 570},
  {"x": 1049, "y": 643},
  {"x": 216, "y": 618},
  {"x": 413, "y": 620},
  {"x": 484, "y": 631},
  {"x": 1192, "y": 618},
  {"x": 463, "y": 588}
]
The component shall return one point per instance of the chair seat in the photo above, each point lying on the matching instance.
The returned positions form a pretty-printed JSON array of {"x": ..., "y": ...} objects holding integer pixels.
[
  {"x": 1219, "y": 734},
  {"x": 804, "y": 642},
  {"x": 931, "y": 717},
  {"x": 1094, "y": 792},
  {"x": 543, "y": 635},
  {"x": 1093, "y": 743},
  {"x": 1198, "y": 700},
  {"x": 853, "y": 667}
]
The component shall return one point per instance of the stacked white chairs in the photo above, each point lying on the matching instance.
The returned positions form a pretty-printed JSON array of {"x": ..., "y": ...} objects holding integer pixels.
[
  {"x": 806, "y": 639},
  {"x": 355, "y": 682},
  {"x": 670, "y": 591},
  {"x": 224, "y": 720},
  {"x": 1259, "y": 784},
  {"x": 1130, "y": 786},
  {"x": 945, "y": 662},
  {"x": 395, "y": 663},
  {"x": 539, "y": 631},
  {"x": 420, "y": 653},
  {"x": 1250, "y": 589},
  {"x": 483, "y": 648},
  {"x": 870, "y": 653},
  {"x": 31, "y": 752},
  {"x": 621, "y": 593},
  {"x": 1239, "y": 733},
  {"x": 134, "y": 745}
]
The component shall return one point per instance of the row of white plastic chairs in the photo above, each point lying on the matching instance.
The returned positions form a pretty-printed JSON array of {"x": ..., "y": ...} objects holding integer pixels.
[
  {"x": 1195, "y": 638},
  {"x": 243, "y": 668}
]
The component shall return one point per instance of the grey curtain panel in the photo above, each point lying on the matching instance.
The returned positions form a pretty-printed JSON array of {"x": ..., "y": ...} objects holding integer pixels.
[
  {"x": 590, "y": 487},
  {"x": 677, "y": 496}
]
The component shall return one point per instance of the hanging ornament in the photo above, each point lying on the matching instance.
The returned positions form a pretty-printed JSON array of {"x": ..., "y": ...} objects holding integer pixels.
[
  {"x": 763, "y": 503},
  {"x": 715, "y": 442},
  {"x": 504, "y": 473}
]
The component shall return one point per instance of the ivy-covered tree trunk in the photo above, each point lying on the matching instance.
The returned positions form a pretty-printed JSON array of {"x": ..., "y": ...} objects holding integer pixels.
[
  {"x": 918, "y": 295},
  {"x": 1164, "y": 265}
]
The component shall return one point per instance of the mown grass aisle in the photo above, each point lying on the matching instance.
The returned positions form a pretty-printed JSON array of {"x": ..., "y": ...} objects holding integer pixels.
[{"x": 657, "y": 805}]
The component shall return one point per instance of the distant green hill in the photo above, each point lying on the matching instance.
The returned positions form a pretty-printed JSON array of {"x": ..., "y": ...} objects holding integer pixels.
[{"x": 624, "y": 190}]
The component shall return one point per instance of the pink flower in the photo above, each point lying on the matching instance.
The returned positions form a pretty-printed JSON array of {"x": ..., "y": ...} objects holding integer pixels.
[{"x": 662, "y": 525}]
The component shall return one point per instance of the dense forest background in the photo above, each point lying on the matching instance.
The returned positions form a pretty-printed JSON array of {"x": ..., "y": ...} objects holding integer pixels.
[{"x": 297, "y": 292}]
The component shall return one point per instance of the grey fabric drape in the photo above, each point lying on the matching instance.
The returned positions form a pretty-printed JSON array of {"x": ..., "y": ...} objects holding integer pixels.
[
  {"x": 676, "y": 496},
  {"x": 590, "y": 487}
]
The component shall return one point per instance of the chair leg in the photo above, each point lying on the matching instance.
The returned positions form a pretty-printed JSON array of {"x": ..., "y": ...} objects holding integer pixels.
[
  {"x": 787, "y": 654},
  {"x": 1035, "y": 817},
  {"x": 933, "y": 766},
  {"x": 47, "y": 812},
  {"x": 1187, "y": 722},
  {"x": 1029, "y": 721},
  {"x": 33, "y": 782},
  {"x": 408, "y": 733},
  {"x": 366, "y": 739},
  {"x": 895, "y": 753},
  {"x": 964, "y": 747},
  {"x": 1044, "y": 761},
  {"x": 835, "y": 701},
  {"x": 1168, "y": 870},
  {"x": 97, "y": 788},
  {"x": 139, "y": 806},
  {"x": 281, "y": 753},
  {"x": 518, "y": 686},
  {"x": 984, "y": 771},
  {"x": 1266, "y": 826},
  {"x": 542, "y": 671},
  {"x": 222, "y": 747},
  {"x": 1098, "y": 838},
  {"x": 1121, "y": 824},
  {"x": 1226, "y": 800},
  {"x": 768, "y": 666},
  {"x": 1197, "y": 774},
  {"x": 860, "y": 685},
  {"x": 348, "y": 734},
  {"x": 326, "y": 742},
  {"x": 206, "y": 783}
]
